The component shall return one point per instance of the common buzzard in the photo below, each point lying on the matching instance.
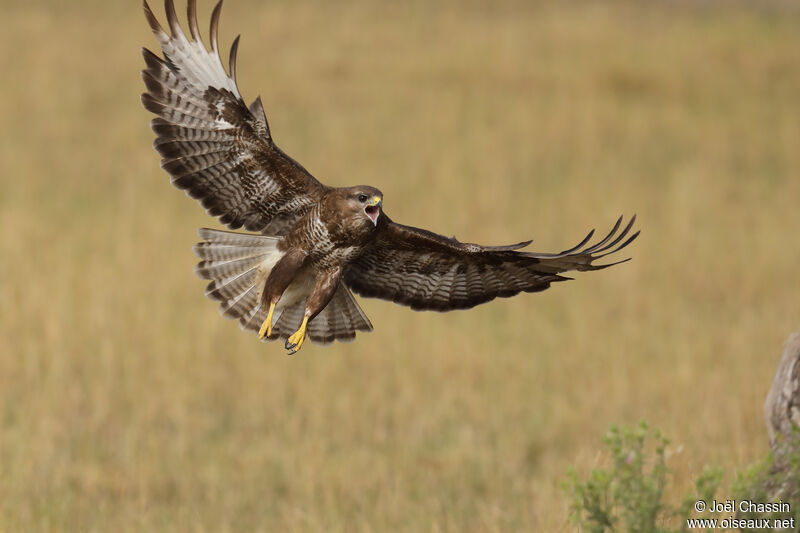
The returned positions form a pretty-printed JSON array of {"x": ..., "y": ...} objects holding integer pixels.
[{"x": 313, "y": 245}]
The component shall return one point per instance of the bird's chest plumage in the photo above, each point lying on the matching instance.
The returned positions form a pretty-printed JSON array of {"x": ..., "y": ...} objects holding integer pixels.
[{"x": 328, "y": 243}]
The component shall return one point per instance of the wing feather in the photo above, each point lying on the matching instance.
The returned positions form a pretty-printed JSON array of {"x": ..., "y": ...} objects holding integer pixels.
[
  {"x": 191, "y": 14},
  {"x": 212, "y": 144},
  {"x": 426, "y": 271}
]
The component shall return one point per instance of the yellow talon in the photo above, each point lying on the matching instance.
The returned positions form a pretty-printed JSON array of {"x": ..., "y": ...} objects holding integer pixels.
[
  {"x": 266, "y": 327},
  {"x": 294, "y": 342}
]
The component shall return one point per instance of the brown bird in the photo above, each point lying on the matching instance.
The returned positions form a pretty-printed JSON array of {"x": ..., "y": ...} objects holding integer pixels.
[{"x": 314, "y": 244}]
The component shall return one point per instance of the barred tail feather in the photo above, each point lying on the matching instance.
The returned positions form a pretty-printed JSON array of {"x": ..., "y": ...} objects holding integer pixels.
[
  {"x": 233, "y": 238},
  {"x": 338, "y": 321},
  {"x": 237, "y": 265}
]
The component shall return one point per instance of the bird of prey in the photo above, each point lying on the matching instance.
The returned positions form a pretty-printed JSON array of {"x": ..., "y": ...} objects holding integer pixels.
[{"x": 312, "y": 245}]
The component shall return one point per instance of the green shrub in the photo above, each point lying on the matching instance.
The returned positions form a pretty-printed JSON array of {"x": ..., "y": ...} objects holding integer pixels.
[{"x": 629, "y": 495}]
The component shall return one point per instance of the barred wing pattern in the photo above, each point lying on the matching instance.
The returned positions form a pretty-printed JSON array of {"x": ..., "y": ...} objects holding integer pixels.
[
  {"x": 212, "y": 145},
  {"x": 426, "y": 271}
]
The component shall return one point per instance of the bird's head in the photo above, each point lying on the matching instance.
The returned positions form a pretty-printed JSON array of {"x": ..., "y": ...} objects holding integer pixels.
[{"x": 367, "y": 201}]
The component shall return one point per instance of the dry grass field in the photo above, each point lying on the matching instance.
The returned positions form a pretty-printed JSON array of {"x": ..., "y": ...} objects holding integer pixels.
[{"x": 128, "y": 404}]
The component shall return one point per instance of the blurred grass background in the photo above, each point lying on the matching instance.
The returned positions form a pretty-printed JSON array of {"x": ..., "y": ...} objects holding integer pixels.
[{"x": 127, "y": 404}]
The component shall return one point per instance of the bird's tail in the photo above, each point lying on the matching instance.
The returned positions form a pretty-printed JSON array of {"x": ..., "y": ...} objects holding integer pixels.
[{"x": 238, "y": 265}]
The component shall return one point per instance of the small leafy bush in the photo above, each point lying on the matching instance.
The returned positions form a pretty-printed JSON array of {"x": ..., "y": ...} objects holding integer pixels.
[{"x": 629, "y": 495}]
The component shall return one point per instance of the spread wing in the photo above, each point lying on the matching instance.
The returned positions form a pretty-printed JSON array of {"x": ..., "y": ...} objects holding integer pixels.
[
  {"x": 212, "y": 145},
  {"x": 426, "y": 271}
]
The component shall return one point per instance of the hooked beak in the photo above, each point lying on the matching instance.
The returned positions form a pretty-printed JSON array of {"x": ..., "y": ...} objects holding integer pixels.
[{"x": 373, "y": 209}]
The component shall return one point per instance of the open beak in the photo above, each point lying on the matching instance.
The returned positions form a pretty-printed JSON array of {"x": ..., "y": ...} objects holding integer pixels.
[{"x": 373, "y": 209}]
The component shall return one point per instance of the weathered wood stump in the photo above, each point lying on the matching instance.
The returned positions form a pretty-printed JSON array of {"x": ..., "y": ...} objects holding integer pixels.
[{"x": 782, "y": 412}]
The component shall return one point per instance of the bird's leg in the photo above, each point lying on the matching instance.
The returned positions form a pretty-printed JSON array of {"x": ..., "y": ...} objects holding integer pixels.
[
  {"x": 280, "y": 277},
  {"x": 295, "y": 342},
  {"x": 324, "y": 289},
  {"x": 266, "y": 327}
]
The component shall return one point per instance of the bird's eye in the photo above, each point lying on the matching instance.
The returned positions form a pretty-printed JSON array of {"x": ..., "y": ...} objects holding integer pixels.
[{"x": 362, "y": 198}]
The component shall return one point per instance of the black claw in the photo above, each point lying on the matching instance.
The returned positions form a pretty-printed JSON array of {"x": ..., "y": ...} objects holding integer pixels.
[
  {"x": 289, "y": 345},
  {"x": 292, "y": 352}
]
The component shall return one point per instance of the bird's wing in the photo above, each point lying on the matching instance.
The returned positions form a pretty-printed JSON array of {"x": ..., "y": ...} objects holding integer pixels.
[
  {"x": 213, "y": 146},
  {"x": 426, "y": 271}
]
